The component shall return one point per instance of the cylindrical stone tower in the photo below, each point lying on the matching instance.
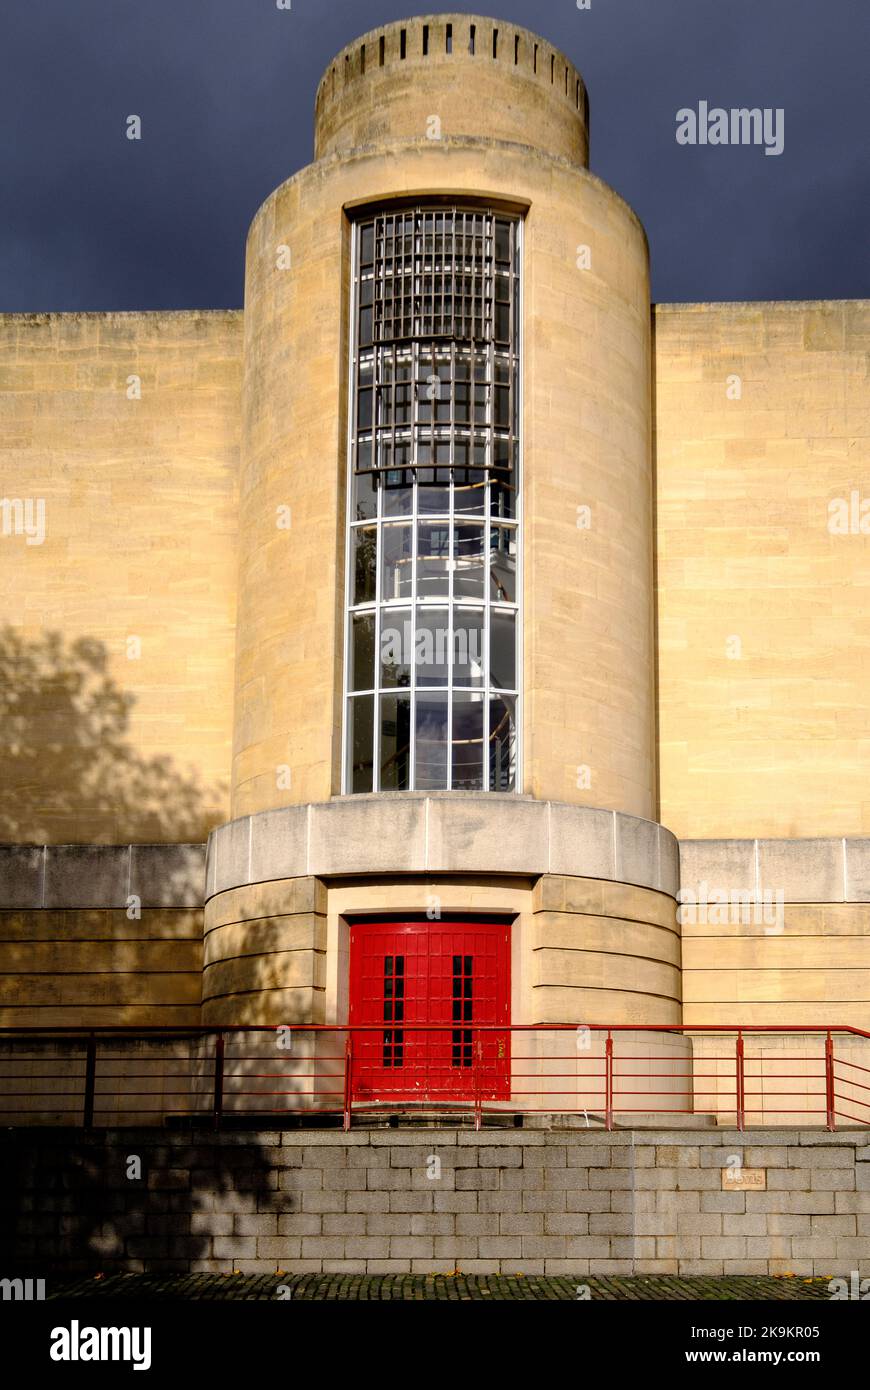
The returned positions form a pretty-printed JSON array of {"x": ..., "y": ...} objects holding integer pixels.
[{"x": 445, "y": 676}]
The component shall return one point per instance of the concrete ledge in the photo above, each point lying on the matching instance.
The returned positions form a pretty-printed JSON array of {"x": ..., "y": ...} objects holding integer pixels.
[
  {"x": 407, "y": 833},
  {"x": 804, "y": 871},
  {"x": 61, "y": 877},
  {"x": 21, "y": 872}
]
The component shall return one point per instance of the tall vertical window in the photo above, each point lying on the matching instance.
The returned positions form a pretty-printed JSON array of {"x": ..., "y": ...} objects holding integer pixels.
[{"x": 432, "y": 656}]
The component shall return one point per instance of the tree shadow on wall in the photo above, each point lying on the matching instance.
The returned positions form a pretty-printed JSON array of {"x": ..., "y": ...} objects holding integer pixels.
[
  {"x": 138, "y": 1200},
  {"x": 67, "y": 760}
]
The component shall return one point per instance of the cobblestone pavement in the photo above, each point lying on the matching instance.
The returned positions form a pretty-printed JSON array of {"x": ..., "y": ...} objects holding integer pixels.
[{"x": 437, "y": 1287}]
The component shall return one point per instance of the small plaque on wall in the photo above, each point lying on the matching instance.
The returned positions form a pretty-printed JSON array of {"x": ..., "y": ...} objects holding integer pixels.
[{"x": 744, "y": 1180}]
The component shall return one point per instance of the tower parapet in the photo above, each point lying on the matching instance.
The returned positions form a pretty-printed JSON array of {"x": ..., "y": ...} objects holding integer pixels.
[{"x": 453, "y": 74}]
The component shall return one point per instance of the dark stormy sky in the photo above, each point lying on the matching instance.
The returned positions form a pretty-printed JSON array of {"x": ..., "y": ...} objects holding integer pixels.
[{"x": 225, "y": 88}]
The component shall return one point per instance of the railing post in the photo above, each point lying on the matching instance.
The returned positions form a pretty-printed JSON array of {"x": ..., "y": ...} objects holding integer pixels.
[
  {"x": 218, "y": 1108},
  {"x": 348, "y": 1080},
  {"x": 478, "y": 1098},
  {"x": 608, "y": 1081},
  {"x": 830, "y": 1100},
  {"x": 90, "y": 1081},
  {"x": 741, "y": 1083}
]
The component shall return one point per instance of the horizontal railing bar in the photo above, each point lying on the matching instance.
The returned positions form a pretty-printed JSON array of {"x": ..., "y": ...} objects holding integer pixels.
[
  {"x": 194, "y": 1072},
  {"x": 642, "y": 1110},
  {"x": 195, "y": 1030},
  {"x": 762, "y": 1094},
  {"x": 279, "y": 1091},
  {"x": 844, "y": 1061},
  {"x": 855, "y": 1100},
  {"x": 676, "y": 1074}
]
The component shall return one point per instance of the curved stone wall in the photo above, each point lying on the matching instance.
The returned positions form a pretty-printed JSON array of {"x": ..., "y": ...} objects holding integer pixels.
[
  {"x": 264, "y": 955},
  {"x": 588, "y": 716},
  {"x": 604, "y": 952},
  {"x": 583, "y": 951},
  {"x": 590, "y": 895},
  {"x": 408, "y": 833}
]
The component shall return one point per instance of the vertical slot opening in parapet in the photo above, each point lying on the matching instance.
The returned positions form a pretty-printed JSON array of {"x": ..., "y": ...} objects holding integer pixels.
[
  {"x": 472, "y": 38},
  {"x": 495, "y": 43},
  {"x": 403, "y": 43},
  {"x": 553, "y": 68},
  {"x": 346, "y": 68},
  {"x": 535, "y": 60},
  {"x": 516, "y": 49},
  {"x": 382, "y": 44},
  {"x": 449, "y": 38},
  {"x": 566, "y": 81},
  {"x": 425, "y": 40},
  {"x": 578, "y": 93},
  {"x": 362, "y": 60}
]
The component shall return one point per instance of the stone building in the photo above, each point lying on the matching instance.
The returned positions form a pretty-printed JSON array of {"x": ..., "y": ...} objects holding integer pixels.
[{"x": 464, "y": 603}]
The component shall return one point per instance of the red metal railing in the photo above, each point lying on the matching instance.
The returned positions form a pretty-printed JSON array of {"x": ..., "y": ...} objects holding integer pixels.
[{"x": 740, "y": 1076}]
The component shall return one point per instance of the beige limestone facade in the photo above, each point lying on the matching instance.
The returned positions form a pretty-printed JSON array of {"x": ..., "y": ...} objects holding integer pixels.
[
  {"x": 693, "y": 533},
  {"x": 763, "y": 568}
]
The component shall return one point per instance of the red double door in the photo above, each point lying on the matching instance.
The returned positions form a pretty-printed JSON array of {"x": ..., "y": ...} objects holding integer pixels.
[{"x": 404, "y": 975}]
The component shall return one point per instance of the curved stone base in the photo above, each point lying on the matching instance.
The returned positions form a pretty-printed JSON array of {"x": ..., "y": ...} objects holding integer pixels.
[{"x": 590, "y": 896}]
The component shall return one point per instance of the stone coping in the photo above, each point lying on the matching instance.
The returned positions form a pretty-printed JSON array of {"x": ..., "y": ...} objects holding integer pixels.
[
  {"x": 104, "y": 877},
  {"x": 446, "y": 833},
  {"x": 808, "y": 871},
  {"x": 437, "y": 833}
]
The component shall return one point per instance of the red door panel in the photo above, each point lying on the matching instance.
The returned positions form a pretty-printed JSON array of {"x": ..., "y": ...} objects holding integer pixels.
[{"x": 407, "y": 974}]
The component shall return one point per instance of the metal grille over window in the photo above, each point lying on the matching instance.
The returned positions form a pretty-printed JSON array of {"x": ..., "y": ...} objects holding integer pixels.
[
  {"x": 432, "y": 650},
  {"x": 437, "y": 304}
]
